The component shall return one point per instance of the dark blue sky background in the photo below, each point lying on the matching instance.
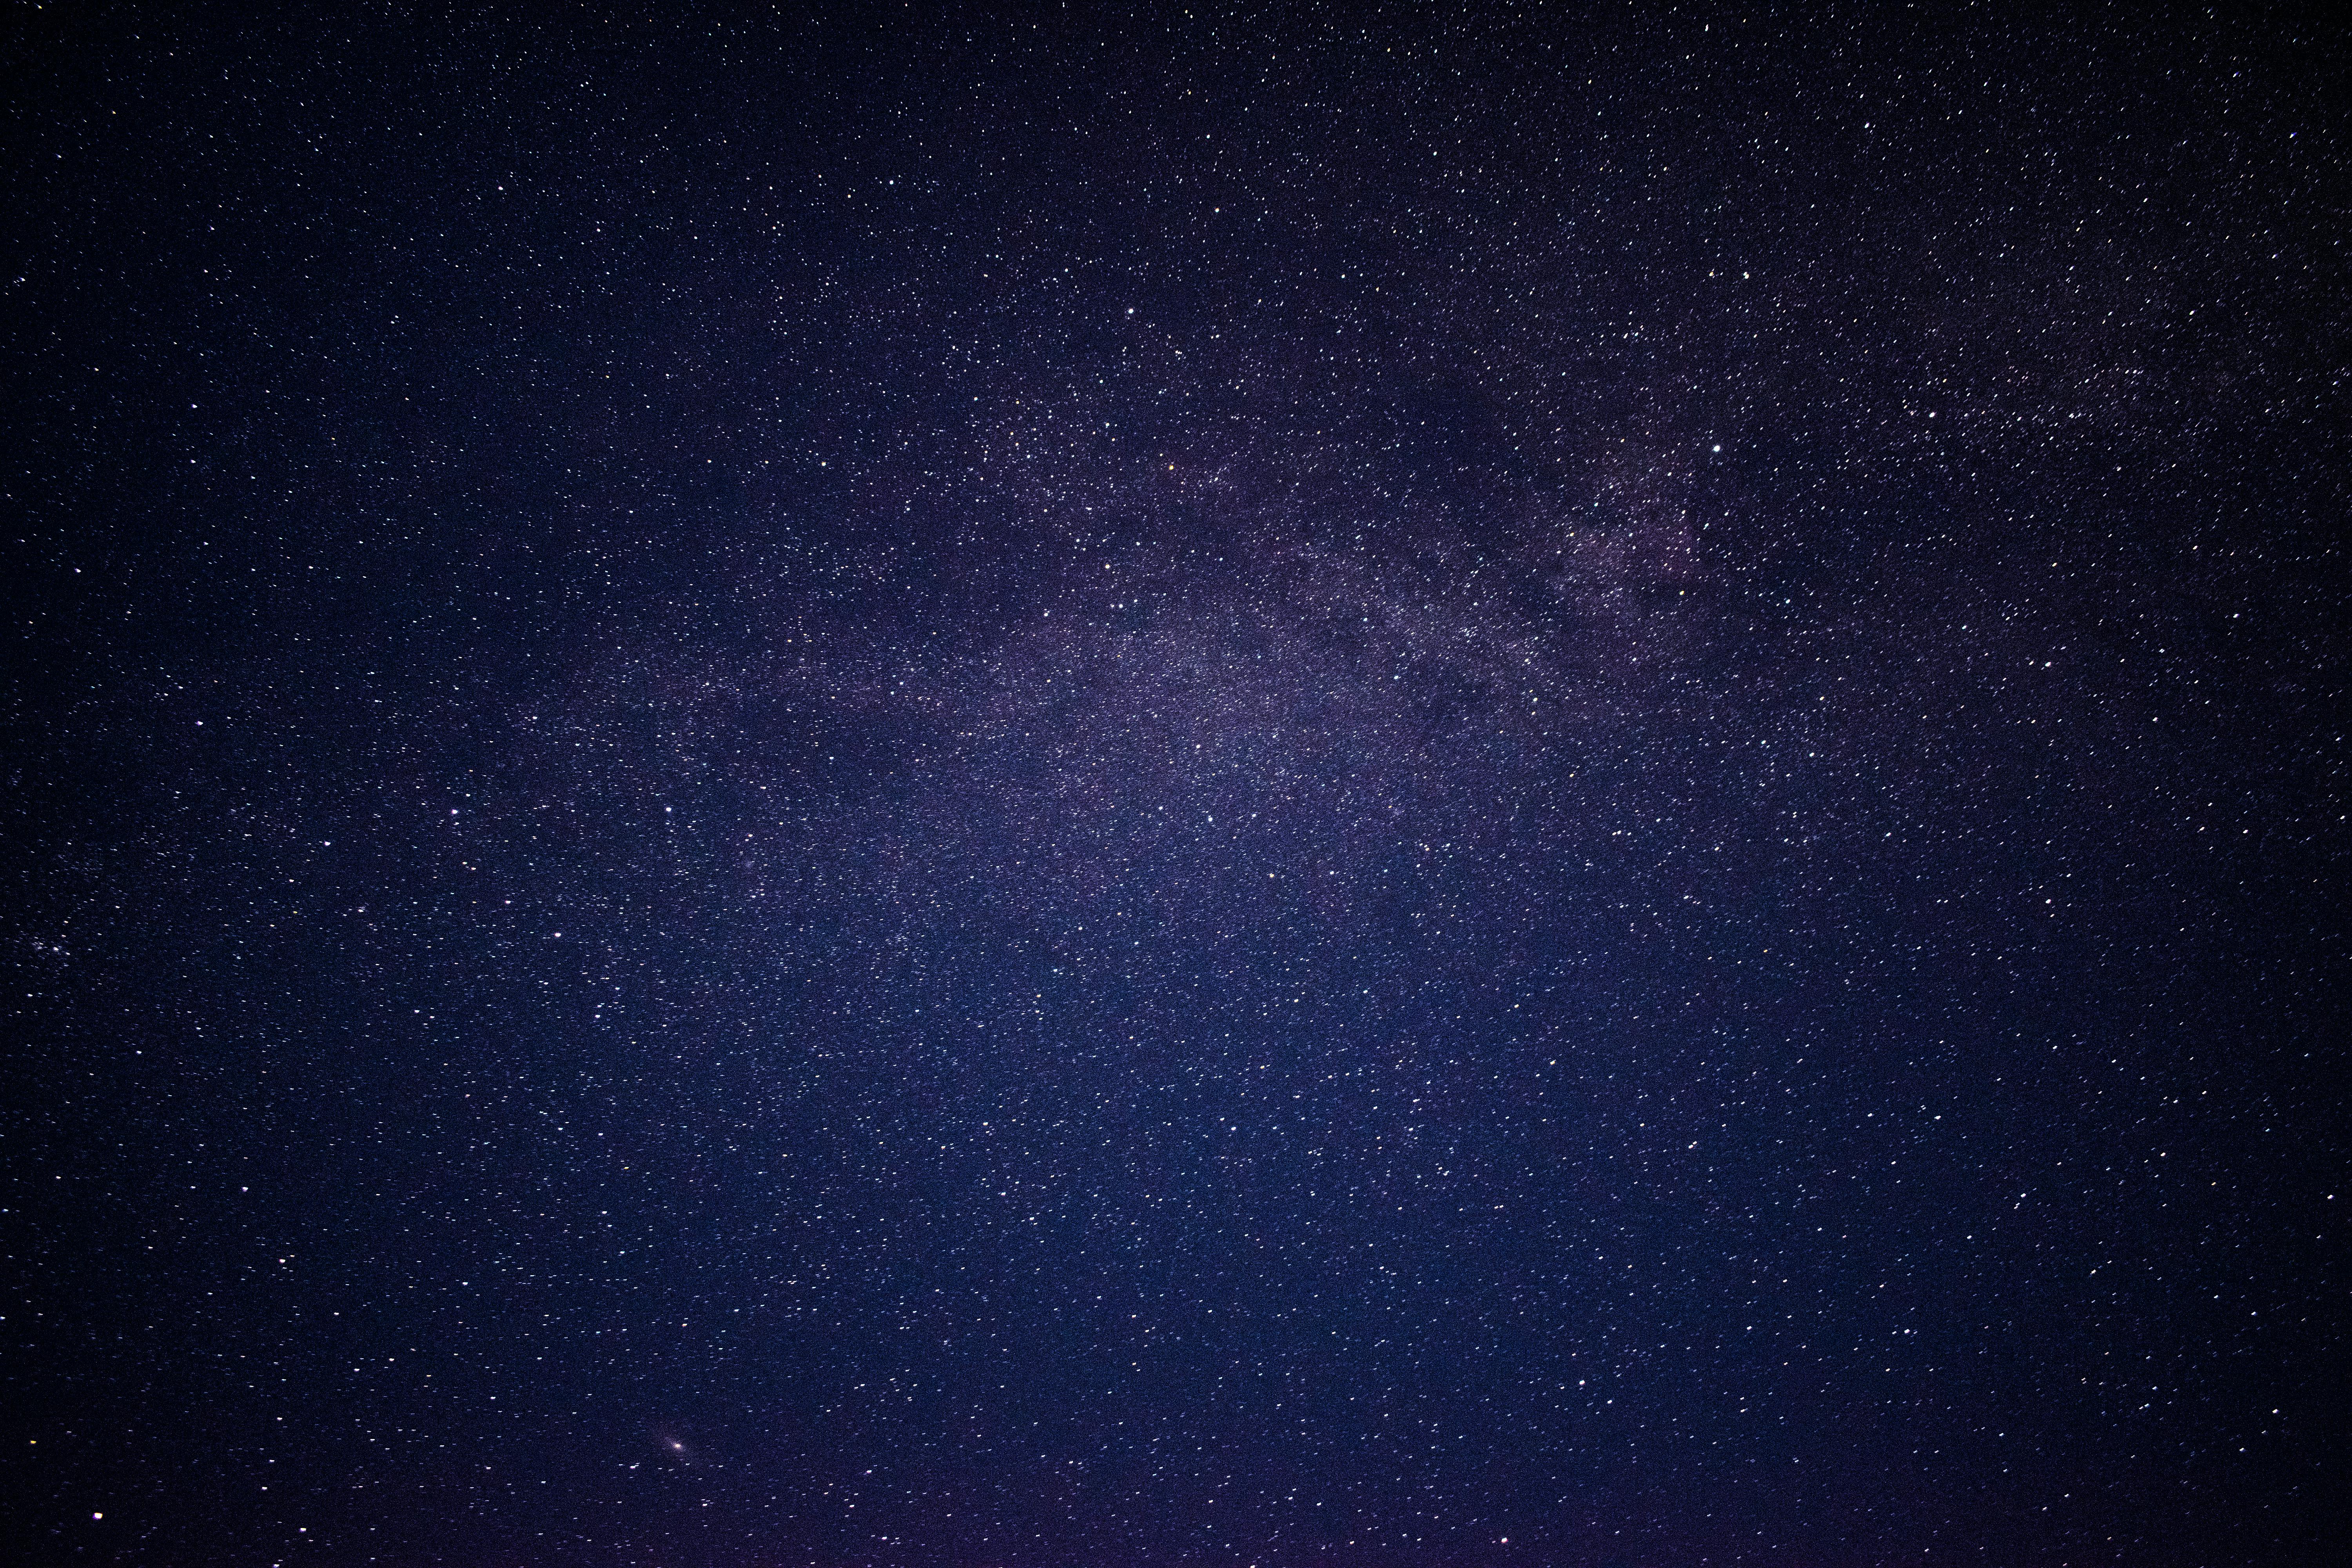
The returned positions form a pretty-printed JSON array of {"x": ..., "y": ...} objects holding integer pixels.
[{"x": 1321, "y": 787}]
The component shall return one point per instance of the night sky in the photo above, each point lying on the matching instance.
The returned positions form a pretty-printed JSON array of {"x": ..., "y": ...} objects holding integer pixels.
[{"x": 1047, "y": 788}]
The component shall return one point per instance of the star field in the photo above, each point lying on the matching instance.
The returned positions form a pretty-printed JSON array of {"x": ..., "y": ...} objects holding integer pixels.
[{"x": 1319, "y": 787}]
